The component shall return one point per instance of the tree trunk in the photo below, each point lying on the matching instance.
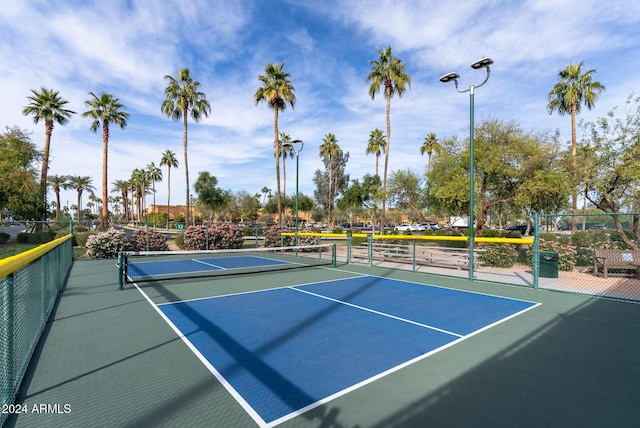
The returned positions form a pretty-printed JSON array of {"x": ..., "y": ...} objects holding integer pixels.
[
  {"x": 186, "y": 164},
  {"x": 105, "y": 165},
  {"x": 387, "y": 92}
]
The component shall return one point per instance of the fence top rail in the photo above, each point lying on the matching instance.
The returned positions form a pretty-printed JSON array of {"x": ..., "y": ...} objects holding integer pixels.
[
  {"x": 11, "y": 264},
  {"x": 523, "y": 241}
]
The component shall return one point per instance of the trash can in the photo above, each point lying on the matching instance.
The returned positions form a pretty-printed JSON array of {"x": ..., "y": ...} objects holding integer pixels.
[{"x": 548, "y": 264}]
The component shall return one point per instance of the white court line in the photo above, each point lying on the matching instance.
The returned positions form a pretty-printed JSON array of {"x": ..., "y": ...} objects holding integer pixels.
[
  {"x": 384, "y": 314},
  {"x": 246, "y": 406},
  {"x": 208, "y": 264}
]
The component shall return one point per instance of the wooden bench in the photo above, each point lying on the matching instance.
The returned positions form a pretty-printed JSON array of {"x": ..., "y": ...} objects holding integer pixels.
[{"x": 615, "y": 259}]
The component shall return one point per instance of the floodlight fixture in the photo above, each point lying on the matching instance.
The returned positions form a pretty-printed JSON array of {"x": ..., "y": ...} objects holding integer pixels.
[
  {"x": 482, "y": 62},
  {"x": 449, "y": 77}
]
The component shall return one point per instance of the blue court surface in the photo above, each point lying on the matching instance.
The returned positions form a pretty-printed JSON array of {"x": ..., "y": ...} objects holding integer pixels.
[
  {"x": 284, "y": 351},
  {"x": 141, "y": 269}
]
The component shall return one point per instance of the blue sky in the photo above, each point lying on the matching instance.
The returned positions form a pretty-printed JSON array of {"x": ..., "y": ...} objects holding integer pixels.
[{"x": 127, "y": 47}]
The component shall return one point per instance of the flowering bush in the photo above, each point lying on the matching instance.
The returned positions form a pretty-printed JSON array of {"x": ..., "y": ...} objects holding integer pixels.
[
  {"x": 216, "y": 237},
  {"x": 499, "y": 255},
  {"x": 107, "y": 245},
  {"x": 157, "y": 241},
  {"x": 225, "y": 236},
  {"x": 272, "y": 238},
  {"x": 567, "y": 253}
]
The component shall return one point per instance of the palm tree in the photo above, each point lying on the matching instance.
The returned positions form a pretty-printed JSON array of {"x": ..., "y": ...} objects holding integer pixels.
[
  {"x": 154, "y": 174},
  {"x": 58, "y": 182},
  {"x": 430, "y": 145},
  {"x": 328, "y": 150},
  {"x": 277, "y": 91},
  {"x": 376, "y": 145},
  {"x": 80, "y": 184},
  {"x": 387, "y": 71},
  {"x": 104, "y": 110},
  {"x": 181, "y": 97},
  {"x": 265, "y": 190},
  {"x": 122, "y": 187},
  {"x": 284, "y": 152},
  {"x": 169, "y": 160},
  {"x": 48, "y": 106},
  {"x": 567, "y": 96},
  {"x": 139, "y": 185}
]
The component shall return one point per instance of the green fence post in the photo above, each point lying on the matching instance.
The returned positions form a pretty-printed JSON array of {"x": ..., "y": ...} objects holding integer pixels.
[
  {"x": 349, "y": 246},
  {"x": 120, "y": 270},
  {"x": 370, "y": 249},
  {"x": 414, "y": 255},
  {"x": 335, "y": 261},
  {"x": 536, "y": 251}
]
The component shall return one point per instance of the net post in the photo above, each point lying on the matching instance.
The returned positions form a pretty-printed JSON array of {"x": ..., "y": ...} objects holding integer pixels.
[
  {"x": 334, "y": 262},
  {"x": 536, "y": 251},
  {"x": 414, "y": 255},
  {"x": 120, "y": 270}
]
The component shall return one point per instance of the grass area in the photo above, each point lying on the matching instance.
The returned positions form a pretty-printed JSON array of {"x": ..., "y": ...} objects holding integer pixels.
[{"x": 13, "y": 248}]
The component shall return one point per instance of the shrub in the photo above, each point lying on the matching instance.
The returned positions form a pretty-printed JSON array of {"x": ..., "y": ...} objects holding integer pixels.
[
  {"x": 179, "y": 240},
  {"x": 195, "y": 238},
  {"x": 107, "y": 245},
  {"x": 35, "y": 237},
  {"x": 156, "y": 240},
  {"x": 4, "y": 237},
  {"x": 272, "y": 238},
  {"x": 80, "y": 239},
  {"x": 216, "y": 237},
  {"x": 225, "y": 237},
  {"x": 499, "y": 255}
]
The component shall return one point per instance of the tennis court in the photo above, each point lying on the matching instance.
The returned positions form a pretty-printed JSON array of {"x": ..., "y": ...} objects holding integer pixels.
[{"x": 324, "y": 346}]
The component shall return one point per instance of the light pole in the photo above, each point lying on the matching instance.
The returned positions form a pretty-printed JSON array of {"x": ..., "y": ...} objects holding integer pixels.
[
  {"x": 485, "y": 63},
  {"x": 291, "y": 144}
]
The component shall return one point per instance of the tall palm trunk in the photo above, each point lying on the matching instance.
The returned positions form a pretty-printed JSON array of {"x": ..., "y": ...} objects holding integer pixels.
[
  {"x": 574, "y": 164},
  {"x": 105, "y": 191},
  {"x": 185, "y": 106},
  {"x": 277, "y": 147},
  {"x": 387, "y": 93},
  {"x": 48, "y": 130},
  {"x": 168, "y": 193}
]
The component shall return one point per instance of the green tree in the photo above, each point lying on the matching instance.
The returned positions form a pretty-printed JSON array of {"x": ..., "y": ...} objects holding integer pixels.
[
  {"x": 183, "y": 98},
  {"x": 57, "y": 182},
  {"x": 376, "y": 145},
  {"x": 209, "y": 194},
  {"x": 329, "y": 149},
  {"x": 430, "y": 145},
  {"x": 154, "y": 174},
  {"x": 614, "y": 176},
  {"x": 81, "y": 184},
  {"x": 388, "y": 72},
  {"x": 169, "y": 160},
  {"x": 105, "y": 109},
  {"x": 122, "y": 187},
  {"x": 48, "y": 106},
  {"x": 405, "y": 192},
  {"x": 575, "y": 88},
  {"x": 277, "y": 91},
  {"x": 509, "y": 164},
  {"x": 19, "y": 189},
  {"x": 286, "y": 151}
]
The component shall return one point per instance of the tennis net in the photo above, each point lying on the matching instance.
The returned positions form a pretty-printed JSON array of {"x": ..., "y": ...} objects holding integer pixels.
[{"x": 160, "y": 265}]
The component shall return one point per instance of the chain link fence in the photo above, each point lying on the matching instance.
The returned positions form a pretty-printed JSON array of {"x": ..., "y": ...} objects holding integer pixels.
[{"x": 29, "y": 286}]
